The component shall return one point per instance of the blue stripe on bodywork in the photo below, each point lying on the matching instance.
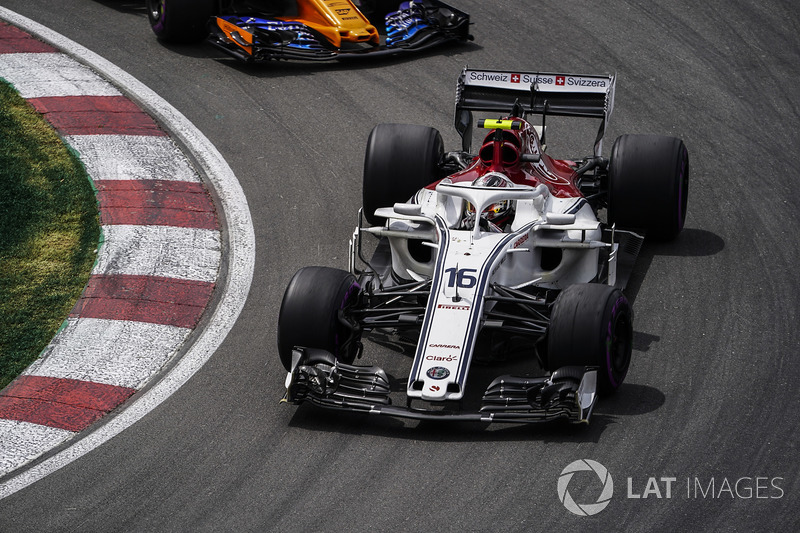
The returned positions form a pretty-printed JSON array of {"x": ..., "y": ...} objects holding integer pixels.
[
  {"x": 576, "y": 206},
  {"x": 477, "y": 310},
  {"x": 444, "y": 245},
  {"x": 463, "y": 367}
]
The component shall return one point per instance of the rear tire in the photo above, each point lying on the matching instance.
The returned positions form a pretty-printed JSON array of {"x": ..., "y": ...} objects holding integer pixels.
[
  {"x": 309, "y": 314},
  {"x": 400, "y": 160},
  {"x": 649, "y": 184},
  {"x": 180, "y": 21},
  {"x": 592, "y": 325}
]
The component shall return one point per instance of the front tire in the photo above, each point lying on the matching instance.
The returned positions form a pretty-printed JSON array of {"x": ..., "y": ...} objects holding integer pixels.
[
  {"x": 400, "y": 160},
  {"x": 649, "y": 184},
  {"x": 310, "y": 314},
  {"x": 376, "y": 11},
  {"x": 180, "y": 21},
  {"x": 592, "y": 325}
]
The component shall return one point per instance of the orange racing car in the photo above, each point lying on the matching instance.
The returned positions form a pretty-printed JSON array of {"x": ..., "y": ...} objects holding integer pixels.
[{"x": 261, "y": 30}]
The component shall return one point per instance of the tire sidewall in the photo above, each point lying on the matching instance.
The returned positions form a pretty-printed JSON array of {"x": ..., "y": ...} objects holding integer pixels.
[
  {"x": 376, "y": 11},
  {"x": 156, "y": 23},
  {"x": 181, "y": 21},
  {"x": 400, "y": 160},
  {"x": 589, "y": 325},
  {"x": 618, "y": 322},
  {"x": 648, "y": 184},
  {"x": 309, "y": 312}
]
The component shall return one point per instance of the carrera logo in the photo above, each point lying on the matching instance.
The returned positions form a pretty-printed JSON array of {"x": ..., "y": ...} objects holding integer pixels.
[
  {"x": 450, "y": 346},
  {"x": 456, "y": 307}
]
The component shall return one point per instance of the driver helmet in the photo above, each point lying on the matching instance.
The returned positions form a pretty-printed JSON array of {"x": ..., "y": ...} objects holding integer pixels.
[{"x": 498, "y": 213}]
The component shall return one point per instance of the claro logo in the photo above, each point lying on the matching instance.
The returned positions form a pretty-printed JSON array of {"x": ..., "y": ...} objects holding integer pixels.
[{"x": 585, "y": 509}]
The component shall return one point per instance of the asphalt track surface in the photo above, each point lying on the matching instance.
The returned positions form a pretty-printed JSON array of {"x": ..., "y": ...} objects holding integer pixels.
[{"x": 712, "y": 394}]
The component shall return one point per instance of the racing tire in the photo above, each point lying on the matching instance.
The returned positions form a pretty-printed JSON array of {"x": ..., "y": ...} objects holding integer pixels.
[
  {"x": 592, "y": 325},
  {"x": 180, "y": 21},
  {"x": 309, "y": 314},
  {"x": 400, "y": 160},
  {"x": 376, "y": 11},
  {"x": 648, "y": 182}
]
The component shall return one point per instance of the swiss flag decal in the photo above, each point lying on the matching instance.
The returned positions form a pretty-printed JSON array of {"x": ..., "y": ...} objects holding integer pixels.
[
  {"x": 515, "y": 78},
  {"x": 559, "y": 80}
]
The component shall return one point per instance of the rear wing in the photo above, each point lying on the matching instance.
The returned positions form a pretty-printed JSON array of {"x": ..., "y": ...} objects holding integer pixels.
[{"x": 535, "y": 92}]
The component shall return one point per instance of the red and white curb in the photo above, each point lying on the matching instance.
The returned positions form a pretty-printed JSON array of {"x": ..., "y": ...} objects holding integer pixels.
[
  {"x": 155, "y": 271},
  {"x": 157, "y": 267}
]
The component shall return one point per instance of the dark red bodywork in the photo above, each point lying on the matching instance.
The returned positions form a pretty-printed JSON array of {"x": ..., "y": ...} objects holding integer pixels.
[{"x": 505, "y": 156}]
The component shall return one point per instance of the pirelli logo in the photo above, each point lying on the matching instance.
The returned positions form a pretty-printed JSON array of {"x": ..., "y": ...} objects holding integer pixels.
[{"x": 454, "y": 307}]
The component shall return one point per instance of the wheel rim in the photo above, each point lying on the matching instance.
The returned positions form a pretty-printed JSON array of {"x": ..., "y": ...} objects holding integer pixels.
[
  {"x": 156, "y": 9},
  {"x": 683, "y": 189},
  {"x": 620, "y": 350},
  {"x": 344, "y": 351}
]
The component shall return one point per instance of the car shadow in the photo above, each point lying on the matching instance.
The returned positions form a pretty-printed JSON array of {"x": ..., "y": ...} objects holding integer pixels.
[
  {"x": 125, "y": 6},
  {"x": 630, "y": 400},
  {"x": 290, "y": 68},
  {"x": 692, "y": 242}
]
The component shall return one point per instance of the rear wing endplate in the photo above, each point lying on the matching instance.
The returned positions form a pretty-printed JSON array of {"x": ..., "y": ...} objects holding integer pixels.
[{"x": 536, "y": 92}]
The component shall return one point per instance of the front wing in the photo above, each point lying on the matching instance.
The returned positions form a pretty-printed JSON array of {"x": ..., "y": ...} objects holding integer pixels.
[
  {"x": 415, "y": 27},
  {"x": 569, "y": 393}
]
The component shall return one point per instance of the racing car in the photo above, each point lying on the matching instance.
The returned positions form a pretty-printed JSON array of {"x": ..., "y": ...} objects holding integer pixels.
[
  {"x": 504, "y": 254},
  {"x": 315, "y": 30}
]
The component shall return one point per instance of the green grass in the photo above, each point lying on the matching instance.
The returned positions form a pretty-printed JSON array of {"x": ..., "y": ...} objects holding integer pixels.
[{"x": 49, "y": 232}]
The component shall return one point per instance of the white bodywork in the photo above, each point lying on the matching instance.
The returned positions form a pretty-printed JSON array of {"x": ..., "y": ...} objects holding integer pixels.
[{"x": 465, "y": 262}]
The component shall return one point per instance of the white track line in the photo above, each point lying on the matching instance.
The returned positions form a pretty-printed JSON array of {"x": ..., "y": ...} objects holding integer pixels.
[{"x": 241, "y": 256}]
